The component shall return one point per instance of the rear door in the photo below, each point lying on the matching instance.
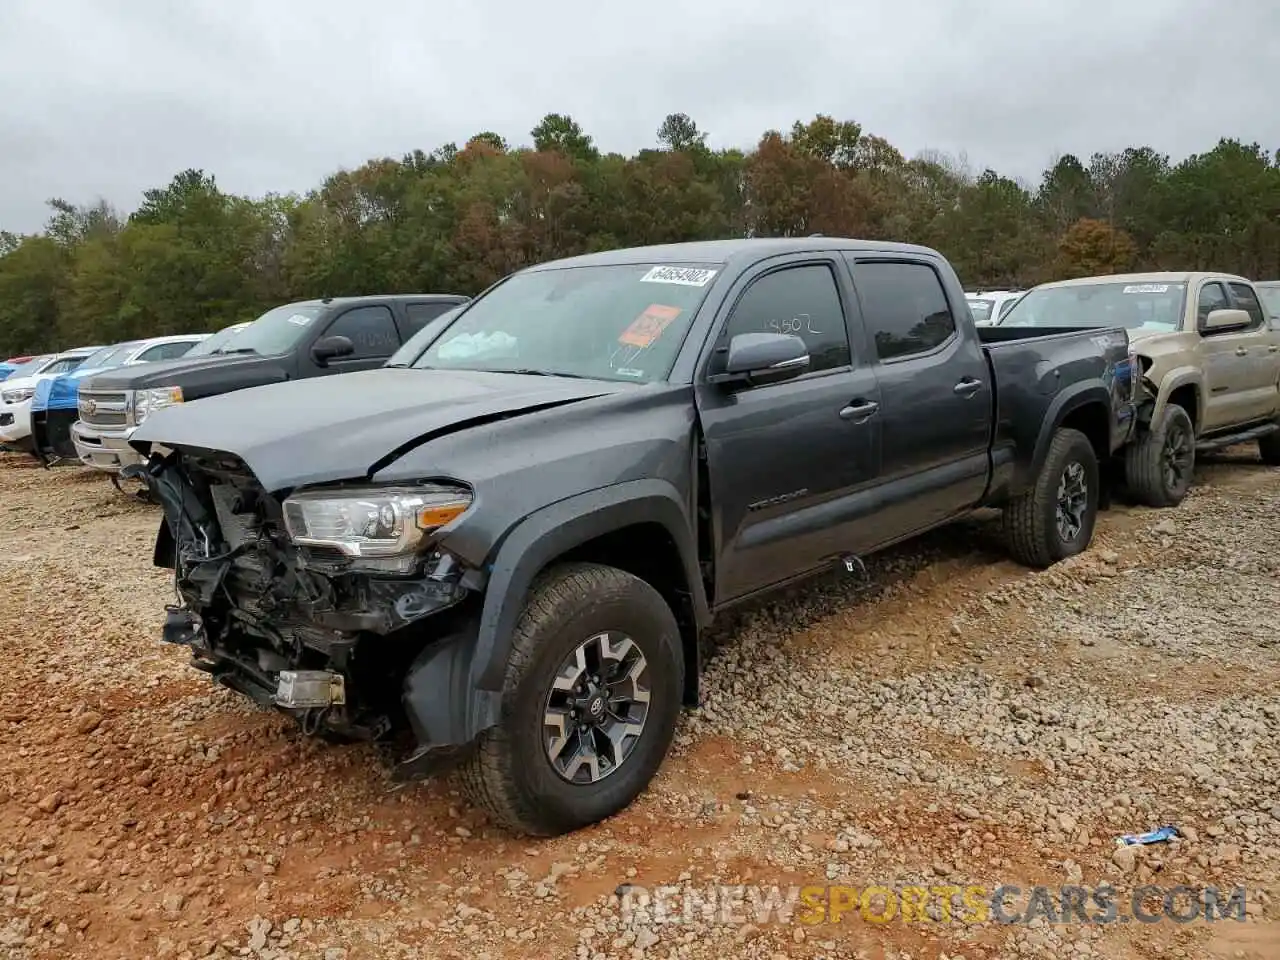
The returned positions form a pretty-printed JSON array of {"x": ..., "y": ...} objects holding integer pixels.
[
  {"x": 417, "y": 314},
  {"x": 1261, "y": 394},
  {"x": 789, "y": 463},
  {"x": 935, "y": 393}
]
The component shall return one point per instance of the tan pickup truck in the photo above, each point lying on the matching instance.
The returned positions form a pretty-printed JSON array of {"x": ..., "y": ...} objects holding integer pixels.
[{"x": 1210, "y": 363}]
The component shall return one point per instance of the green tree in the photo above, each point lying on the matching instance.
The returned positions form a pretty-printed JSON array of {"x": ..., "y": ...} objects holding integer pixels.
[{"x": 560, "y": 133}]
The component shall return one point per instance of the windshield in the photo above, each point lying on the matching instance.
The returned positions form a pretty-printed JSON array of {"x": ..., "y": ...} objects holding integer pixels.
[
  {"x": 418, "y": 342},
  {"x": 215, "y": 342},
  {"x": 981, "y": 309},
  {"x": 30, "y": 368},
  {"x": 276, "y": 331},
  {"x": 104, "y": 356},
  {"x": 1270, "y": 297},
  {"x": 623, "y": 322},
  {"x": 1153, "y": 307}
]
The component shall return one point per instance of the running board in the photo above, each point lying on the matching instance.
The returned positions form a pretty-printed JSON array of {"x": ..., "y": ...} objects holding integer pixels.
[{"x": 1217, "y": 443}]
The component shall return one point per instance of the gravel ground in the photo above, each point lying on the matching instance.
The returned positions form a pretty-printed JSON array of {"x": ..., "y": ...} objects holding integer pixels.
[{"x": 952, "y": 721}]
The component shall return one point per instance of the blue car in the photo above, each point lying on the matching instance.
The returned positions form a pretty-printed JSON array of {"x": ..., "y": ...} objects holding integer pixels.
[{"x": 54, "y": 407}]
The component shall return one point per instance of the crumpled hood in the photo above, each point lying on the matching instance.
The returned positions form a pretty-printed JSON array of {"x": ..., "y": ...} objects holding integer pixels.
[{"x": 339, "y": 427}]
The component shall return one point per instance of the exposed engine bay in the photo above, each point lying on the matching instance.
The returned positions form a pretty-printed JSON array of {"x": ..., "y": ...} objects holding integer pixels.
[{"x": 312, "y": 630}]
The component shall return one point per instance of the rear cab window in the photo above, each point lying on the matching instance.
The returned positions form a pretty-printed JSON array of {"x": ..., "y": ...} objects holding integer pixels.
[{"x": 904, "y": 307}]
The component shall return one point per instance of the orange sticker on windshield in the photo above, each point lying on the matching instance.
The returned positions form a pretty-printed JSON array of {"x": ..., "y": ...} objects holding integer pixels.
[{"x": 647, "y": 327}]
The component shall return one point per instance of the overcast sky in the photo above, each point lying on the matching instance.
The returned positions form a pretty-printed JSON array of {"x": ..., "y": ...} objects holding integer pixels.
[{"x": 105, "y": 98}]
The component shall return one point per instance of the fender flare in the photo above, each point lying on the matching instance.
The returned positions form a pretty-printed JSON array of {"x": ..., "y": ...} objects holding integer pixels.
[
  {"x": 550, "y": 532},
  {"x": 1063, "y": 405},
  {"x": 1175, "y": 378}
]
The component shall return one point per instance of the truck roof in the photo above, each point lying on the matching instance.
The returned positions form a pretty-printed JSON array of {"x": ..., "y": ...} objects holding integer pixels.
[
  {"x": 1167, "y": 276},
  {"x": 728, "y": 251},
  {"x": 380, "y": 297}
]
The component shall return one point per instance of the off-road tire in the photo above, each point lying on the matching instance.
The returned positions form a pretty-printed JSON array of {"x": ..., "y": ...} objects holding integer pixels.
[
  {"x": 1030, "y": 520},
  {"x": 1269, "y": 449},
  {"x": 509, "y": 774},
  {"x": 1144, "y": 472}
]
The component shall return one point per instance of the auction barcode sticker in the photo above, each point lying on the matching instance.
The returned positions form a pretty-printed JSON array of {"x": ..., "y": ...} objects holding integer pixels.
[
  {"x": 685, "y": 276},
  {"x": 1147, "y": 288}
]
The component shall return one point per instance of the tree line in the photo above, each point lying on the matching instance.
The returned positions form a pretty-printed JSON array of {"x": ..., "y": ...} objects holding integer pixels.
[{"x": 193, "y": 257}]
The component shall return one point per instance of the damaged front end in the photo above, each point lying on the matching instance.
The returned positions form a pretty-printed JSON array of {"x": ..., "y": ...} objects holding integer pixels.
[{"x": 320, "y": 604}]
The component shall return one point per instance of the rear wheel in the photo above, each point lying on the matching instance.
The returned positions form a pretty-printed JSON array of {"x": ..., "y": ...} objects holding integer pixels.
[
  {"x": 589, "y": 705},
  {"x": 1159, "y": 465},
  {"x": 1055, "y": 518}
]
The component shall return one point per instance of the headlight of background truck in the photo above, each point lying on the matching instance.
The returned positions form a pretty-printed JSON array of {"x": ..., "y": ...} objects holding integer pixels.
[
  {"x": 17, "y": 396},
  {"x": 382, "y": 526},
  {"x": 146, "y": 402}
]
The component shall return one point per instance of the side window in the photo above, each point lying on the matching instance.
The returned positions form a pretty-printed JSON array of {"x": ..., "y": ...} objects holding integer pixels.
[
  {"x": 420, "y": 314},
  {"x": 1212, "y": 297},
  {"x": 904, "y": 307},
  {"x": 161, "y": 351},
  {"x": 65, "y": 365},
  {"x": 1245, "y": 299},
  {"x": 1007, "y": 305},
  {"x": 371, "y": 329},
  {"x": 179, "y": 348},
  {"x": 802, "y": 301}
]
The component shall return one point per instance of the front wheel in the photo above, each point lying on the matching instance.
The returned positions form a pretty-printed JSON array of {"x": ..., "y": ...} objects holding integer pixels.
[
  {"x": 589, "y": 704},
  {"x": 1158, "y": 465},
  {"x": 1055, "y": 518}
]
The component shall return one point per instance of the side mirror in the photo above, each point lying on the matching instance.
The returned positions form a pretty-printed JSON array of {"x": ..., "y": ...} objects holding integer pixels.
[
  {"x": 760, "y": 358},
  {"x": 330, "y": 348},
  {"x": 1220, "y": 320}
]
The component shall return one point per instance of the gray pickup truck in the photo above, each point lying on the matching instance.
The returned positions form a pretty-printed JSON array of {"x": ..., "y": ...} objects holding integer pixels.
[{"x": 503, "y": 556}]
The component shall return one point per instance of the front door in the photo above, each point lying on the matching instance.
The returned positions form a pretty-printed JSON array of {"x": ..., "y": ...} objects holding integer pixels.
[
  {"x": 371, "y": 329},
  {"x": 786, "y": 461},
  {"x": 1224, "y": 358}
]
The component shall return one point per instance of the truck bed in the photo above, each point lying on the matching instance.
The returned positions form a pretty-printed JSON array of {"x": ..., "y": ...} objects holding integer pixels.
[
  {"x": 1029, "y": 367},
  {"x": 995, "y": 335}
]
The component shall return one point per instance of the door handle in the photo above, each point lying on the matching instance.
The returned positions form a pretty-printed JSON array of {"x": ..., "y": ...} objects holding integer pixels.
[
  {"x": 1242, "y": 351},
  {"x": 1272, "y": 349},
  {"x": 967, "y": 387},
  {"x": 859, "y": 410}
]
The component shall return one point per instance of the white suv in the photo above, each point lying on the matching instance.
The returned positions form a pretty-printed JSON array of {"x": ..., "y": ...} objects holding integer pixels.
[{"x": 19, "y": 387}]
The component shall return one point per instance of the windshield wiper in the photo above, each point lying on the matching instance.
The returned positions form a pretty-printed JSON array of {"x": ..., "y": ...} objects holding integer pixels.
[
  {"x": 530, "y": 372},
  {"x": 236, "y": 350}
]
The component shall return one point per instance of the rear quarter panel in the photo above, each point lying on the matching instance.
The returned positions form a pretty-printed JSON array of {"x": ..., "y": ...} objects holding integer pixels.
[{"x": 1040, "y": 380}]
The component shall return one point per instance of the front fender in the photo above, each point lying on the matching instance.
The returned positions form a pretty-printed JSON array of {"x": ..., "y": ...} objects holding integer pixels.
[
  {"x": 552, "y": 531},
  {"x": 1171, "y": 381}
]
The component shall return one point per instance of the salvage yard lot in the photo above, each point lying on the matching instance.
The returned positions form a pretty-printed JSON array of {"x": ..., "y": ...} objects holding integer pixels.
[{"x": 958, "y": 720}]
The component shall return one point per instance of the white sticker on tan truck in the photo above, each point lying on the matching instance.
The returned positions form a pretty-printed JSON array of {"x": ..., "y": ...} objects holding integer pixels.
[{"x": 1146, "y": 288}]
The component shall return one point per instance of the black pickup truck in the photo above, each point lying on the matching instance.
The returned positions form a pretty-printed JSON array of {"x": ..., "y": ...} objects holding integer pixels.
[
  {"x": 310, "y": 338},
  {"x": 502, "y": 557}
]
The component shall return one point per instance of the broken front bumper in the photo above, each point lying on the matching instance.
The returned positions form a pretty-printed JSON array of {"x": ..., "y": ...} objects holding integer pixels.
[{"x": 354, "y": 654}]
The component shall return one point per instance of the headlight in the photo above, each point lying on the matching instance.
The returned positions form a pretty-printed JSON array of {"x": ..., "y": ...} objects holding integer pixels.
[
  {"x": 149, "y": 401},
  {"x": 17, "y": 396},
  {"x": 372, "y": 522}
]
